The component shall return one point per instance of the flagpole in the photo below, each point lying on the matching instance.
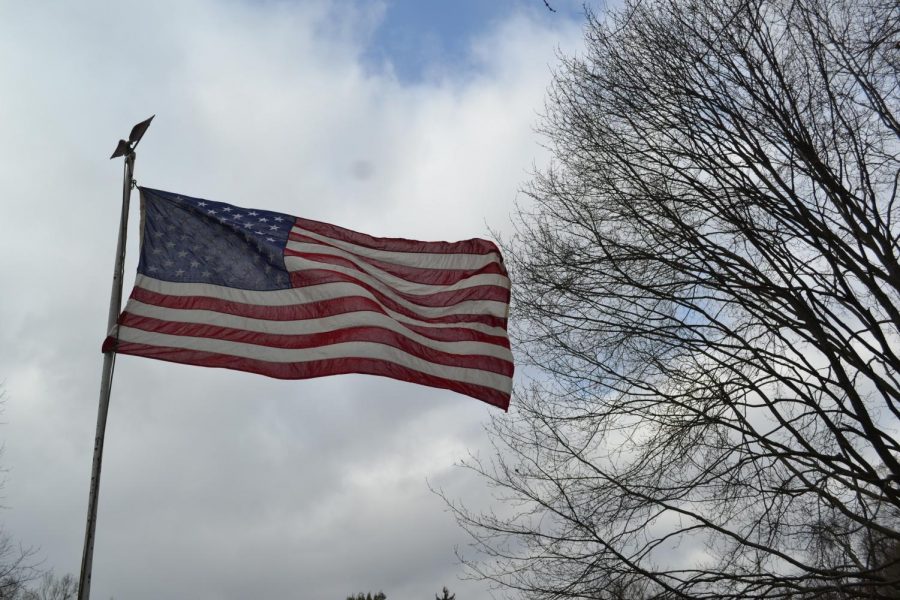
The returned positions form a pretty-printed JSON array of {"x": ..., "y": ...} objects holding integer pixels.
[{"x": 125, "y": 149}]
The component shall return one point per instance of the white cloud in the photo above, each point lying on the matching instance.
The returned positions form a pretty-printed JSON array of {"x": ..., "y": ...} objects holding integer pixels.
[{"x": 219, "y": 484}]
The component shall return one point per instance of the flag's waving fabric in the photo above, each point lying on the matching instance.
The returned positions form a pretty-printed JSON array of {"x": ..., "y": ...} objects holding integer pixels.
[{"x": 265, "y": 292}]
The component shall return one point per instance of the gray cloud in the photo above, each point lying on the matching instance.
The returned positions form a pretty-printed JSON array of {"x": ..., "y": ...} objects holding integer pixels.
[{"x": 219, "y": 484}]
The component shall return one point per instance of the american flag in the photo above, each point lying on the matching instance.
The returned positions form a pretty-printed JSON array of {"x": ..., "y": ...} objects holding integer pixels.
[{"x": 265, "y": 292}]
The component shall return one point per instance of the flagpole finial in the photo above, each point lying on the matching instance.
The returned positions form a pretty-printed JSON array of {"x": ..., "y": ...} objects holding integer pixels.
[{"x": 125, "y": 148}]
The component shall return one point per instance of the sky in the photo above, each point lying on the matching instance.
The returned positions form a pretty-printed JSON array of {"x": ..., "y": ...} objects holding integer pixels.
[{"x": 397, "y": 118}]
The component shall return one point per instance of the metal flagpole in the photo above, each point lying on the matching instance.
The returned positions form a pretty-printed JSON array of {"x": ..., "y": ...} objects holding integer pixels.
[{"x": 125, "y": 149}]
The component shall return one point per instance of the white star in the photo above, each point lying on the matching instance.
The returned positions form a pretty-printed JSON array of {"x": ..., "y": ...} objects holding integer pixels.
[
  {"x": 153, "y": 269},
  {"x": 252, "y": 213},
  {"x": 248, "y": 225},
  {"x": 279, "y": 219},
  {"x": 170, "y": 244},
  {"x": 270, "y": 240},
  {"x": 226, "y": 209},
  {"x": 168, "y": 263},
  {"x": 201, "y": 204},
  {"x": 237, "y": 216},
  {"x": 182, "y": 254},
  {"x": 179, "y": 273},
  {"x": 273, "y": 227},
  {"x": 194, "y": 264},
  {"x": 157, "y": 251},
  {"x": 210, "y": 212},
  {"x": 263, "y": 220},
  {"x": 206, "y": 273}
]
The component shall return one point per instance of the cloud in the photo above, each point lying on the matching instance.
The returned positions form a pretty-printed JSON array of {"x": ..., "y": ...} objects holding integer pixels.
[{"x": 220, "y": 484}]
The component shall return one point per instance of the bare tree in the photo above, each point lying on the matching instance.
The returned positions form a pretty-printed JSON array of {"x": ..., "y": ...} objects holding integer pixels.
[
  {"x": 51, "y": 587},
  {"x": 368, "y": 596},
  {"x": 18, "y": 566},
  {"x": 446, "y": 595},
  {"x": 21, "y": 577},
  {"x": 707, "y": 289}
]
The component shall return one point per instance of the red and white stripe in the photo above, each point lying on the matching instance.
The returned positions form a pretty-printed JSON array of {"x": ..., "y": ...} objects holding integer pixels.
[{"x": 432, "y": 313}]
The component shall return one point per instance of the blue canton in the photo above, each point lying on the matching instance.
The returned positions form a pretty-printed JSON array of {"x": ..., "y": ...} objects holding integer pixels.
[{"x": 193, "y": 240}]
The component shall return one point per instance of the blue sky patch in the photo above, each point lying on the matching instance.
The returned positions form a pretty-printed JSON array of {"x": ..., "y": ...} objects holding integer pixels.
[{"x": 424, "y": 39}]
